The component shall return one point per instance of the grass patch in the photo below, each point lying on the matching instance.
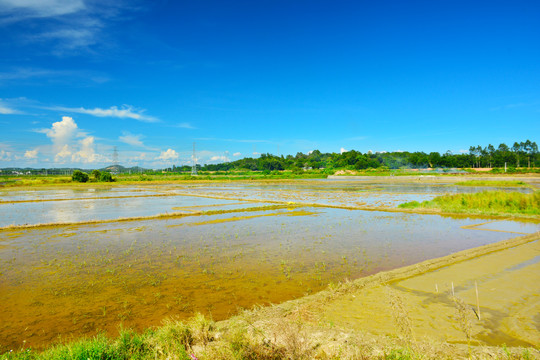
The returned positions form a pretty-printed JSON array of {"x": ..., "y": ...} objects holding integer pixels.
[
  {"x": 257, "y": 335},
  {"x": 484, "y": 203},
  {"x": 493, "y": 183}
]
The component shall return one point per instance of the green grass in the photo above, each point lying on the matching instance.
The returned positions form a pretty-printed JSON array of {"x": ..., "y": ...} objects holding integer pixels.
[
  {"x": 484, "y": 203},
  {"x": 494, "y": 183}
]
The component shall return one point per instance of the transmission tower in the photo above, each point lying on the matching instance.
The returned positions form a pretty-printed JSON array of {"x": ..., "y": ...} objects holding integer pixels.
[
  {"x": 115, "y": 159},
  {"x": 194, "y": 167},
  {"x": 115, "y": 156}
]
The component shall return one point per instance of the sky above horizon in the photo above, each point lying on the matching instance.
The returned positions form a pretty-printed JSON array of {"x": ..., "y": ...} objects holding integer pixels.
[{"x": 79, "y": 78}]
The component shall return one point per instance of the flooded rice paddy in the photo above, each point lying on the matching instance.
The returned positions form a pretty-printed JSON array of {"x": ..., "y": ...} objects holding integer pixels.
[{"x": 224, "y": 247}]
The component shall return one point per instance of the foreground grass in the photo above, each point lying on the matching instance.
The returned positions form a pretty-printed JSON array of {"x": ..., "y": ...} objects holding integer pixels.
[
  {"x": 493, "y": 183},
  {"x": 268, "y": 334},
  {"x": 484, "y": 203}
]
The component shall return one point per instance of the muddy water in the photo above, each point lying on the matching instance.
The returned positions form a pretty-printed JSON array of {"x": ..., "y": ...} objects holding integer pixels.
[{"x": 69, "y": 281}]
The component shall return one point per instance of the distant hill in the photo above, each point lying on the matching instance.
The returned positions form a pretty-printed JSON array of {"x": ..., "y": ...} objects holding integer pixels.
[{"x": 114, "y": 169}]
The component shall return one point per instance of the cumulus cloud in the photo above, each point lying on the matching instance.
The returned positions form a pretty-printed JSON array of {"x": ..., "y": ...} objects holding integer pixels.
[
  {"x": 62, "y": 133},
  {"x": 87, "y": 153},
  {"x": 170, "y": 154},
  {"x": 63, "y": 155},
  {"x": 342, "y": 150},
  {"x": 125, "y": 112},
  {"x": 237, "y": 154},
  {"x": 66, "y": 147},
  {"x": 31, "y": 154}
]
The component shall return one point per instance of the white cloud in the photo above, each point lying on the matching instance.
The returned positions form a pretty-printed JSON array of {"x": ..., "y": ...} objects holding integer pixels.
[
  {"x": 142, "y": 156},
  {"x": 30, "y": 154},
  {"x": 5, "y": 155},
  {"x": 6, "y": 109},
  {"x": 125, "y": 111},
  {"x": 72, "y": 26},
  {"x": 63, "y": 155},
  {"x": 310, "y": 152},
  {"x": 170, "y": 154},
  {"x": 342, "y": 150},
  {"x": 71, "y": 38},
  {"x": 20, "y": 9},
  {"x": 87, "y": 153},
  {"x": 221, "y": 158},
  {"x": 16, "y": 74},
  {"x": 62, "y": 133},
  {"x": 134, "y": 140},
  {"x": 237, "y": 154},
  {"x": 130, "y": 139},
  {"x": 185, "y": 125}
]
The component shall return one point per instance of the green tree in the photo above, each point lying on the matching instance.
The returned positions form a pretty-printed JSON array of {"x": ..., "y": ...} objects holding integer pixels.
[
  {"x": 96, "y": 175},
  {"x": 79, "y": 176},
  {"x": 517, "y": 149},
  {"x": 434, "y": 159},
  {"x": 490, "y": 151}
]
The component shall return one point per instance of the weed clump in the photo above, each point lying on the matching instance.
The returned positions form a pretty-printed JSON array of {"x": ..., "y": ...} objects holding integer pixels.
[{"x": 484, "y": 203}]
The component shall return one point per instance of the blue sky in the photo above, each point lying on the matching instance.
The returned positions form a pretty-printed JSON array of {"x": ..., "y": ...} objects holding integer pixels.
[{"x": 80, "y": 77}]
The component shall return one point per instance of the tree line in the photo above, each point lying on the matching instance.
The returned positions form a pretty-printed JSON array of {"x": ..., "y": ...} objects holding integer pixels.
[{"x": 523, "y": 154}]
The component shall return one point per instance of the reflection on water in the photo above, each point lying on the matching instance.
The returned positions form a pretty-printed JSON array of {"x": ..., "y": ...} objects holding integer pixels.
[
  {"x": 77, "y": 280},
  {"x": 99, "y": 209}
]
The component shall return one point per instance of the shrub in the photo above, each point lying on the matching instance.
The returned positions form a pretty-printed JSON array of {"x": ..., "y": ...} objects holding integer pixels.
[
  {"x": 79, "y": 176},
  {"x": 106, "y": 177}
]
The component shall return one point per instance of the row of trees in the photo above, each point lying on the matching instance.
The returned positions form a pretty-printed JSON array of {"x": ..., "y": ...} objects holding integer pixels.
[{"x": 523, "y": 154}]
